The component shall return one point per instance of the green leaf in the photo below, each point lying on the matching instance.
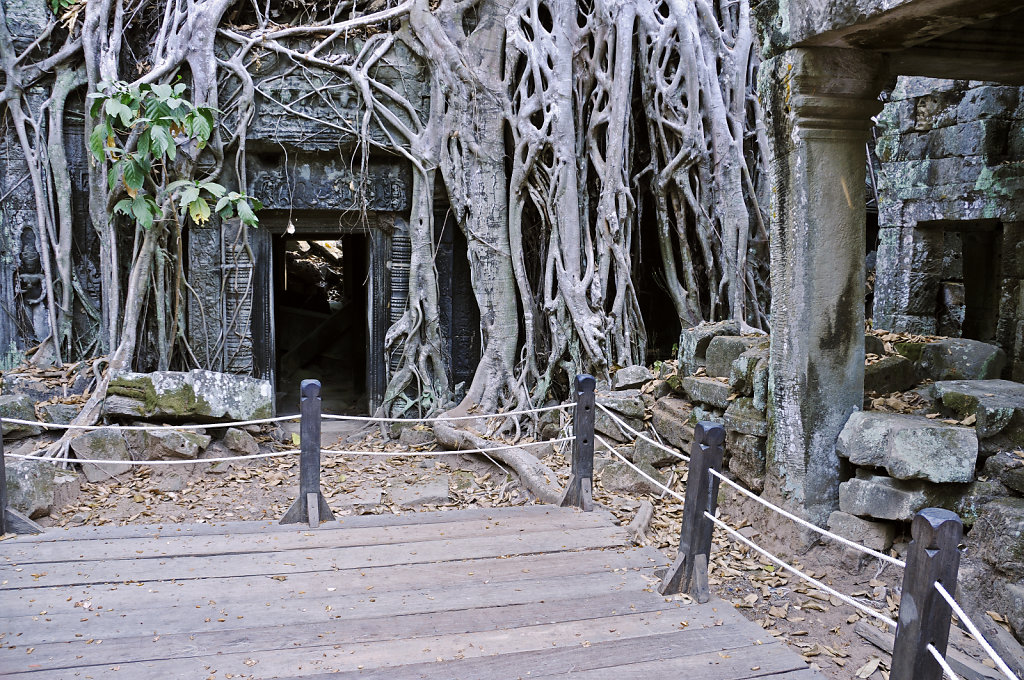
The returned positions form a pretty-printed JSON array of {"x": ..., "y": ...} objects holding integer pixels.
[
  {"x": 177, "y": 184},
  {"x": 257, "y": 204},
  {"x": 160, "y": 140},
  {"x": 189, "y": 196},
  {"x": 133, "y": 175},
  {"x": 246, "y": 214},
  {"x": 124, "y": 206},
  {"x": 199, "y": 211},
  {"x": 142, "y": 212},
  {"x": 221, "y": 204},
  {"x": 98, "y": 142},
  {"x": 162, "y": 90},
  {"x": 144, "y": 145},
  {"x": 201, "y": 128},
  {"x": 179, "y": 89},
  {"x": 114, "y": 174},
  {"x": 215, "y": 189}
]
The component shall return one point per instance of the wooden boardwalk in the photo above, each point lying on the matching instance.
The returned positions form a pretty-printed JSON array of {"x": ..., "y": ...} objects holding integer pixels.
[{"x": 504, "y": 593}]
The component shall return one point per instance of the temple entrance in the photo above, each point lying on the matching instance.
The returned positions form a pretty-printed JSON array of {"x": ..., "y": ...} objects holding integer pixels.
[{"x": 321, "y": 319}]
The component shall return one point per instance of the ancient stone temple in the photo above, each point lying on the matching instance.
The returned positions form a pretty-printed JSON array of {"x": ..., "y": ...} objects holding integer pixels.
[
  {"x": 312, "y": 291},
  {"x": 951, "y": 213}
]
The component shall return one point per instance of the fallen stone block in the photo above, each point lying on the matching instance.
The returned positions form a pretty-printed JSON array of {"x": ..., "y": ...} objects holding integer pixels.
[
  {"x": 646, "y": 452},
  {"x": 165, "y": 444},
  {"x": 693, "y": 342},
  {"x": 961, "y": 359},
  {"x": 882, "y": 498},
  {"x": 910, "y": 447},
  {"x": 240, "y": 441},
  {"x": 997, "y": 405},
  {"x": 22, "y": 408},
  {"x": 890, "y": 374},
  {"x": 725, "y": 349},
  {"x": 621, "y": 478},
  {"x": 708, "y": 391},
  {"x": 105, "y": 444},
  {"x": 671, "y": 419},
  {"x": 874, "y": 535},
  {"x": 414, "y": 436},
  {"x": 1006, "y": 468},
  {"x": 747, "y": 459},
  {"x": 627, "y": 403},
  {"x": 604, "y": 424},
  {"x": 749, "y": 376},
  {"x": 998, "y": 535},
  {"x": 628, "y": 377},
  {"x": 874, "y": 345},
  {"x": 743, "y": 417},
  {"x": 30, "y": 486},
  {"x": 59, "y": 414},
  {"x": 204, "y": 396},
  {"x": 432, "y": 491}
]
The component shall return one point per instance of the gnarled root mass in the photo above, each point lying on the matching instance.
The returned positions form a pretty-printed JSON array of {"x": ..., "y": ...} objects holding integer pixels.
[{"x": 551, "y": 124}]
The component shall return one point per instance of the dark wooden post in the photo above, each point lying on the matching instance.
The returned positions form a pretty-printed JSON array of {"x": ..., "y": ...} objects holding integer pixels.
[
  {"x": 10, "y": 519},
  {"x": 689, "y": 572},
  {"x": 579, "y": 493},
  {"x": 310, "y": 506},
  {"x": 933, "y": 556}
]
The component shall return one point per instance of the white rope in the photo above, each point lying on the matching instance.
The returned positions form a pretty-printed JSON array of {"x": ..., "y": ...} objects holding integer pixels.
[
  {"x": 193, "y": 426},
  {"x": 444, "y": 419},
  {"x": 447, "y": 452},
  {"x": 831, "y": 591},
  {"x": 962, "y": 615},
  {"x": 144, "y": 463},
  {"x": 942, "y": 662},
  {"x": 646, "y": 476},
  {"x": 809, "y": 525},
  {"x": 622, "y": 424}
]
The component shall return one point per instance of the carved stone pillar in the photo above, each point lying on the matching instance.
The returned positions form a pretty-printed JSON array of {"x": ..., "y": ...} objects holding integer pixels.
[{"x": 819, "y": 103}]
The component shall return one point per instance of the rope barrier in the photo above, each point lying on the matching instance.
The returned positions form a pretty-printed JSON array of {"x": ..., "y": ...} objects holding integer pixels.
[
  {"x": 962, "y": 615},
  {"x": 809, "y": 525},
  {"x": 810, "y": 579},
  {"x": 646, "y": 476},
  {"x": 941, "y": 660},
  {"x": 137, "y": 428},
  {"x": 622, "y": 424},
  {"x": 447, "y": 452},
  {"x": 445, "y": 419}
]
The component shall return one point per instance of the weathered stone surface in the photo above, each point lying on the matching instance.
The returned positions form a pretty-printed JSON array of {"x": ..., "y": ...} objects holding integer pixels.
[
  {"x": 195, "y": 395},
  {"x": 746, "y": 456},
  {"x": 725, "y": 349},
  {"x": 166, "y": 444},
  {"x": 433, "y": 491},
  {"x": 604, "y": 424},
  {"x": 414, "y": 436},
  {"x": 890, "y": 374},
  {"x": 693, "y": 342},
  {"x": 967, "y": 500},
  {"x": 38, "y": 389},
  {"x": 701, "y": 412},
  {"x": 708, "y": 391},
  {"x": 998, "y": 535},
  {"x": 658, "y": 389},
  {"x": 874, "y": 345},
  {"x": 627, "y": 403},
  {"x": 874, "y": 535},
  {"x": 67, "y": 486},
  {"x": 30, "y": 486},
  {"x": 882, "y": 497},
  {"x": 743, "y": 417},
  {"x": 910, "y": 447},
  {"x": 105, "y": 444},
  {"x": 646, "y": 452},
  {"x": 240, "y": 441},
  {"x": 61, "y": 414},
  {"x": 961, "y": 359},
  {"x": 749, "y": 376},
  {"x": 621, "y": 478},
  {"x": 998, "y": 406},
  {"x": 22, "y": 408},
  {"x": 671, "y": 419},
  {"x": 1006, "y": 468},
  {"x": 629, "y": 377}
]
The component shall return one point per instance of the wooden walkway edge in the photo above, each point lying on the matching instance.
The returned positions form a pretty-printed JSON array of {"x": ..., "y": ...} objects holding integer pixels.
[{"x": 529, "y": 592}]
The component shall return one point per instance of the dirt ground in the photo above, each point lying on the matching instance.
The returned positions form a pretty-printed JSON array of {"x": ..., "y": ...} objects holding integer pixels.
[{"x": 817, "y": 625}]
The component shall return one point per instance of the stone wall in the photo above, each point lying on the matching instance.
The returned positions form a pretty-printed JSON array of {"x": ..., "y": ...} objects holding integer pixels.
[{"x": 951, "y": 212}]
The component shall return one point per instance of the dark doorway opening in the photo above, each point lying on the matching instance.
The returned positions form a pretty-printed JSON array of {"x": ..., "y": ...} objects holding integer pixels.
[
  {"x": 982, "y": 275},
  {"x": 321, "y": 298}
]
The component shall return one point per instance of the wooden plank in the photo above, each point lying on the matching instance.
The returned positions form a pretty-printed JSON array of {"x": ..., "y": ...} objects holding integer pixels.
[
  {"x": 311, "y": 584},
  {"x": 158, "y": 568},
  {"x": 158, "y": 594},
  {"x": 209, "y": 614},
  {"x": 562, "y": 661},
  {"x": 270, "y": 526},
  {"x": 225, "y": 544},
  {"x": 314, "y": 658},
  {"x": 272, "y": 637}
]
